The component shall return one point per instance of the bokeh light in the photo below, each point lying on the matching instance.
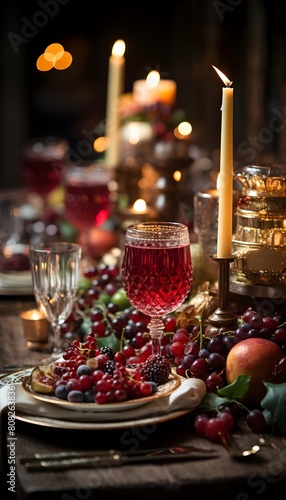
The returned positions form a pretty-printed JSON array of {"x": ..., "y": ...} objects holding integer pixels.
[{"x": 54, "y": 56}]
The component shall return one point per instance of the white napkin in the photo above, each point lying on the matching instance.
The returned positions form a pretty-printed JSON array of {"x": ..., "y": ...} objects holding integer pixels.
[{"x": 187, "y": 396}]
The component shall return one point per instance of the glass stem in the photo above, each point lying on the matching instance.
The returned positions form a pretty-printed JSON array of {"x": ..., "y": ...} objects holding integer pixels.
[
  {"x": 156, "y": 328},
  {"x": 57, "y": 347}
]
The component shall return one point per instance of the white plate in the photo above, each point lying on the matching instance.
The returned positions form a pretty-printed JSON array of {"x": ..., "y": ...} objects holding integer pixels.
[
  {"x": 16, "y": 283},
  {"x": 98, "y": 426},
  {"x": 163, "y": 390}
]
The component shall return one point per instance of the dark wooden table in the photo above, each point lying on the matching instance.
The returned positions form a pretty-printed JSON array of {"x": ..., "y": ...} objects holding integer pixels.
[{"x": 224, "y": 477}]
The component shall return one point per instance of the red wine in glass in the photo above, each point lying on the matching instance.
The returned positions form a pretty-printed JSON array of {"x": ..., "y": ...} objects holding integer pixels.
[
  {"x": 44, "y": 163},
  {"x": 87, "y": 198},
  {"x": 157, "y": 271}
]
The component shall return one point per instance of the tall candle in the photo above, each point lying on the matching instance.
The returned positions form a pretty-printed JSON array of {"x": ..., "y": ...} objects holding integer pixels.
[
  {"x": 114, "y": 90},
  {"x": 153, "y": 90},
  {"x": 225, "y": 206}
]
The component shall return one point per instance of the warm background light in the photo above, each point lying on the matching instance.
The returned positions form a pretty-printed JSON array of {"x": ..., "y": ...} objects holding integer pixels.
[
  {"x": 177, "y": 175},
  {"x": 118, "y": 48},
  {"x": 100, "y": 144},
  {"x": 54, "y": 56},
  {"x": 153, "y": 79},
  {"x": 64, "y": 62},
  {"x": 139, "y": 206},
  {"x": 54, "y": 51},
  {"x": 183, "y": 130}
]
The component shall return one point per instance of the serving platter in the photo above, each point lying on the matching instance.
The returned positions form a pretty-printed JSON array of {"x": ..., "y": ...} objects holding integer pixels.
[{"x": 162, "y": 391}]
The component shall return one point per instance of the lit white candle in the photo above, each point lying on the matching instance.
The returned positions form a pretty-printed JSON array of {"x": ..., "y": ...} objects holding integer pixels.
[
  {"x": 114, "y": 90},
  {"x": 153, "y": 90},
  {"x": 225, "y": 206}
]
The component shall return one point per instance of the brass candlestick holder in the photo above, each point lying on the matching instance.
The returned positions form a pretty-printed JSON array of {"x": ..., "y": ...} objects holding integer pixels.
[{"x": 222, "y": 319}]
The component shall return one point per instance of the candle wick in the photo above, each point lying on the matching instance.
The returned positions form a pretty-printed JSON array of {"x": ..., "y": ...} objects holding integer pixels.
[{"x": 229, "y": 84}]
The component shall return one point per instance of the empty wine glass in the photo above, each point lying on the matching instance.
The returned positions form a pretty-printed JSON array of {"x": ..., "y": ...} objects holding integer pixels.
[
  {"x": 55, "y": 274},
  {"x": 157, "y": 271}
]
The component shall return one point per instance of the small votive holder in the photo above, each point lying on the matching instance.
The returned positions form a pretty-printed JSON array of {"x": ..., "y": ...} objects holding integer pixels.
[{"x": 36, "y": 330}]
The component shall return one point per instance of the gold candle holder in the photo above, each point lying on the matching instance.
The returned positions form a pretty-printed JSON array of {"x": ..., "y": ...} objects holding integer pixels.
[
  {"x": 36, "y": 329},
  {"x": 222, "y": 319}
]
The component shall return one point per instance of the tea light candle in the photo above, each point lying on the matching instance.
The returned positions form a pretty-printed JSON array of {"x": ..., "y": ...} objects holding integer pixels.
[
  {"x": 139, "y": 211},
  {"x": 36, "y": 329},
  {"x": 224, "y": 234},
  {"x": 153, "y": 90},
  {"x": 114, "y": 90}
]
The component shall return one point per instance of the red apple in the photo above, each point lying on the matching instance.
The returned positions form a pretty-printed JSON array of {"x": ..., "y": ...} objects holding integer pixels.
[
  {"x": 257, "y": 358},
  {"x": 100, "y": 241}
]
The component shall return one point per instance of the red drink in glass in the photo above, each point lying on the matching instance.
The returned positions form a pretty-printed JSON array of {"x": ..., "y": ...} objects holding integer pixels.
[
  {"x": 157, "y": 279},
  {"x": 87, "y": 197},
  {"x": 157, "y": 271},
  {"x": 43, "y": 165}
]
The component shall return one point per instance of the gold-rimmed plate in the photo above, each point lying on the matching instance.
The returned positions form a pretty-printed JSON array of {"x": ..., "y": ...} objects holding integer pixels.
[
  {"x": 162, "y": 391},
  {"x": 57, "y": 423}
]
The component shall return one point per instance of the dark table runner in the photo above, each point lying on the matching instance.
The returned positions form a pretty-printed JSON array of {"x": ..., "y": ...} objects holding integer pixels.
[{"x": 251, "y": 478}]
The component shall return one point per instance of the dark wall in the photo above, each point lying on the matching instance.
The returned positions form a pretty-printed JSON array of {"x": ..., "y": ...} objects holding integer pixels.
[{"x": 243, "y": 38}]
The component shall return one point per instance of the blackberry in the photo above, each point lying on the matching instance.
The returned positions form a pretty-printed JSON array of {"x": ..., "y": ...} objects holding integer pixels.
[
  {"x": 109, "y": 367},
  {"x": 108, "y": 351},
  {"x": 155, "y": 369}
]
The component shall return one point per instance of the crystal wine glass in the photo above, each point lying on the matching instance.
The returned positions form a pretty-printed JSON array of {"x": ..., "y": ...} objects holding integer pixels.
[
  {"x": 44, "y": 162},
  {"x": 55, "y": 274},
  {"x": 87, "y": 199},
  {"x": 157, "y": 271}
]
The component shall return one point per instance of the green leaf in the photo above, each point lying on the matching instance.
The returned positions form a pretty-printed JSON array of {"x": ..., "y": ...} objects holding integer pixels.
[
  {"x": 110, "y": 341},
  {"x": 237, "y": 389},
  {"x": 212, "y": 401},
  {"x": 274, "y": 405}
]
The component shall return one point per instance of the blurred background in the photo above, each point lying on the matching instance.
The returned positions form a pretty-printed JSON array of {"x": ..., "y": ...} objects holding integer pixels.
[{"x": 245, "y": 39}]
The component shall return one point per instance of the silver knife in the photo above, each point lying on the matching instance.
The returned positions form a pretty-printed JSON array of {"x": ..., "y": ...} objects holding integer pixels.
[{"x": 110, "y": 458}]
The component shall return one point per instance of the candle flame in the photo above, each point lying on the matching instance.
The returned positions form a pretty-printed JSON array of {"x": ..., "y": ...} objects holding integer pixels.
[
  {"x": 224, "y": 78},
  {"x": 153, "y": 79},
  {"x": 118, "y": 48},
  {"x": 139, "y": 206}
]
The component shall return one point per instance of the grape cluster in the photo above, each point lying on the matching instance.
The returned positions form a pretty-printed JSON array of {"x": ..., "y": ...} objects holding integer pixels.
[
  {"x": 214, "y": 425},
  {"x": 254, "y": 324},
  {"x": 84, "y": 375},
  {"x": 195, "y": 355}
]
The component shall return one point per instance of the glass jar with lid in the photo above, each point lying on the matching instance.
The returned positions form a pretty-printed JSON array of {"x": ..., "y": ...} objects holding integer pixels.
[{"x": 259, "y": 241}]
